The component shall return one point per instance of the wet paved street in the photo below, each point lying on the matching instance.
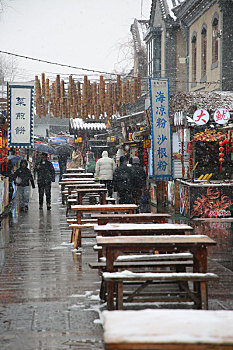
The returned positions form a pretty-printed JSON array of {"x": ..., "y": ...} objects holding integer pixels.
[{"x": 49, "y": 295}]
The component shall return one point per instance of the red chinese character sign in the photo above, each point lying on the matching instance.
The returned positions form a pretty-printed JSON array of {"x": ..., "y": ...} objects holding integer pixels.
[
  {"x": 161, "y": 130},
  {"x": 20, "y": 133},
  {"x": 201, "y": 117},
  {"x": 221, "y": 116}
]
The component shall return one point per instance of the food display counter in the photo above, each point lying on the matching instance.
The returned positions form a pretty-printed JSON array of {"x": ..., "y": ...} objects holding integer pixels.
[{"x": 206, "y": 199}]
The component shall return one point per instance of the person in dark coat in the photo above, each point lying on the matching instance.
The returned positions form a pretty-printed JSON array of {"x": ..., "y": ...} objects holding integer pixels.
[
  {"x": 122, "y": 181},
  {"x": 6, "y": 169},
  {"x": 138, "y": 177},
  {"x": 90, "y": 166},
  {"x": 45, "y": 175},
  {"x": 62, "y": 160},
  {"x": 21, "y": 177}
]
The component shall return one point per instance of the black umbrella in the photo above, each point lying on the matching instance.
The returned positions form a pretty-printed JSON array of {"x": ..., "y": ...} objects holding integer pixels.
[
  {"x": 64, "y": 150},
  {"x": 43, "y": 148}
]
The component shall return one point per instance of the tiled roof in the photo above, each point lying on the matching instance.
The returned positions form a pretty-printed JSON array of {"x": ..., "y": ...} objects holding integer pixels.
[{"x": 80, "y": 124}]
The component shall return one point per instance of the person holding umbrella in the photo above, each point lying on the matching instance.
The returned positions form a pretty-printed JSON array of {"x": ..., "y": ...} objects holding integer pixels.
[
  {"x": 45, "y": 175},
  {"x": 63, "y": 152}
]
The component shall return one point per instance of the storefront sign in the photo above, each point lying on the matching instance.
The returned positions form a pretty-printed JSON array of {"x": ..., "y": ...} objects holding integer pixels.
[
  {"x": 0, "y": 142},
  {"x": 136, "y": 137},
  {"x": 221, "y": 116},
  {"x": 161, "y": 130},
  {"x": 178, "y": 118},
  {"x": 78, "y": 140},
  {"x": 20, "y": 115},
  {"x": 201, "y": 117},
  {"x": 147, "y": 143}
]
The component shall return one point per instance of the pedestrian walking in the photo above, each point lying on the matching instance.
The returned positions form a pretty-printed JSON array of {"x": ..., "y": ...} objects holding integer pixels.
[
  {"x": 6, "y": 169},
  {"x": 90, "y": 166},
  {"x": 138, "y": 177},
  {"x": 122, "y": 182},
  {"x": 62, "y": 160},
  {"x": 104, "y": 170},
  {"x": 21, "y": 177},
  {"x": 77, "y": 158},
  {"x": 45, "y": 175}
]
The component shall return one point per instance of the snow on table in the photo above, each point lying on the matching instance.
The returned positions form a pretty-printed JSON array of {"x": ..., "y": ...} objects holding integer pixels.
[{"x": 168, "y": 326}]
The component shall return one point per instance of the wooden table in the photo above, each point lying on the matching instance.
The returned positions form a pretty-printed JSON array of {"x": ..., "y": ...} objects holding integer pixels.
[
  {"x": 100, "y": 191},
  {"x": 196, "y": 244},
  {"x": 107, "y": 208},
  {"x": 67, "y": 182},
  {"x": 75, "y": 170},
  {"x": 77, "y": 175},
  {"x": 103, "y": 219},
  {"x": 142, "y": 229},
  {"x": 168, "y": 329}
]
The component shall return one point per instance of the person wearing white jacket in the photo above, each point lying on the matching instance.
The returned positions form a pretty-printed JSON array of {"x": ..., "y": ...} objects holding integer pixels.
[{"x": 104, "y": 170}]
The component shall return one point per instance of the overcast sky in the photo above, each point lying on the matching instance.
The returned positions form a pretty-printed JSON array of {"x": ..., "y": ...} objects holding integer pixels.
[{"x": 84, "y": 33}]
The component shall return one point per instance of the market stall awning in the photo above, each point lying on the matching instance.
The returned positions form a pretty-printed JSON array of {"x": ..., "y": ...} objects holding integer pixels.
[{"x": 78, "y": 124}]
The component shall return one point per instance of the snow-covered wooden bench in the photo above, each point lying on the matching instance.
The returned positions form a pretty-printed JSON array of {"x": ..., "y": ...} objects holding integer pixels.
[
  {"x": 157, "y": 262},
  {"x": 198, "y": 296},
  {"x": 168, "y": 329}
]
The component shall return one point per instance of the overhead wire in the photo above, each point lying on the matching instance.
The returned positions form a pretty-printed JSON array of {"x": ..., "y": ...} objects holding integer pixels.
[{"x": 98, "y": 71}]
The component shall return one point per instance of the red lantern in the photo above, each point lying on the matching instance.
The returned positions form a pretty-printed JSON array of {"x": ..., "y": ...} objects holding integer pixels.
[
  {"x": 221, "y": 155},
  {"x": 221, "y": 149},
  {"x": 221, "y": 160},
  {"x": 220, "y": 143}
]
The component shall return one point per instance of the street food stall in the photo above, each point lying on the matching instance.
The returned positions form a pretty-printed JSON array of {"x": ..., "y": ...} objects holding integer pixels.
[{"x": 204, "y": 189}]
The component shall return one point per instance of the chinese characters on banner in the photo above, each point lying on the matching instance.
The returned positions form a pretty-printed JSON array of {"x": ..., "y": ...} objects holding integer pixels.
[
  {"x": 161, "y": 130},
  {"x": 20, "y": 115}
]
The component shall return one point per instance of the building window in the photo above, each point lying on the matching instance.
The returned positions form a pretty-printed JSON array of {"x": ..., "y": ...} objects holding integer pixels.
[
  {"x": 203, "y": 51},
  {"x": 194, "y": 57},
  {"x": 215, "y": 29},
  {"x": 157, "y": 56},
  {"x": 154, "y": 55},
  {"x": 150, "y": 57}
]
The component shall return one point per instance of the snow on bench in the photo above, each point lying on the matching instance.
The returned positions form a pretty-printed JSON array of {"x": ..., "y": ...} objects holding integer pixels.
[{"x": 168, "y": 329}]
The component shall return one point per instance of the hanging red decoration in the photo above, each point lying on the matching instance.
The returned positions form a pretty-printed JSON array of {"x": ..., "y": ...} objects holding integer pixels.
[
  {"x": 221, "y": 149},
  {"x": 221, "y": 160}
]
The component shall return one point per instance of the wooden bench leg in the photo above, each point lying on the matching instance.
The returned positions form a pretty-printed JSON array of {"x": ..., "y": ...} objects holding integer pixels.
[
  {"x": 119, "y": 296},
  {"x": 72, "y": 236},
  {"x": 76, "y": 237},
  {"x": 80, "y": 238},
  {"x": 204, "y": 295},
  {"x": 103, "y": 290}
]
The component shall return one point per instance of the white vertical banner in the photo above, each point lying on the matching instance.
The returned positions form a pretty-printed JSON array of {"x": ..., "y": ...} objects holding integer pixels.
[
  {"x": 20, "y": 102},
  {"x": 161, "y": 129}
]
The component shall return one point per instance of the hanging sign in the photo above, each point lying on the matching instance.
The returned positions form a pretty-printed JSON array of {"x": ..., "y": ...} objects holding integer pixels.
[
  {"x": 201, "y": 117},
  {"x": 178, "y": 118},
  {"x": 221, "y": 116},
  {"x": 20, "y": 115},
  {"x": 161, "y": 130}
]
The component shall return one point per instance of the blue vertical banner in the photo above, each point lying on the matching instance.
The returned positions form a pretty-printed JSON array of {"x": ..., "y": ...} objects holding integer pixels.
[
  {"x": 161, "y": 129},
  {"x": 20, "y": 103}
]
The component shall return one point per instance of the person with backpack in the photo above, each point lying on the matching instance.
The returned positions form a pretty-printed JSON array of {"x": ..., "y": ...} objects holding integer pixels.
[
  {"x": 122, "y": 182},
  {"x": 138, "y": 177},
  {"x": 21, "y": 177}
]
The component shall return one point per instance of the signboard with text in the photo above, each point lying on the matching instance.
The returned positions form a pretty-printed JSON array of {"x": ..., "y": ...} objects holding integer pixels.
[
  {"x": 20, "y": 115},
  {"x": 161, "y": 129}
]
